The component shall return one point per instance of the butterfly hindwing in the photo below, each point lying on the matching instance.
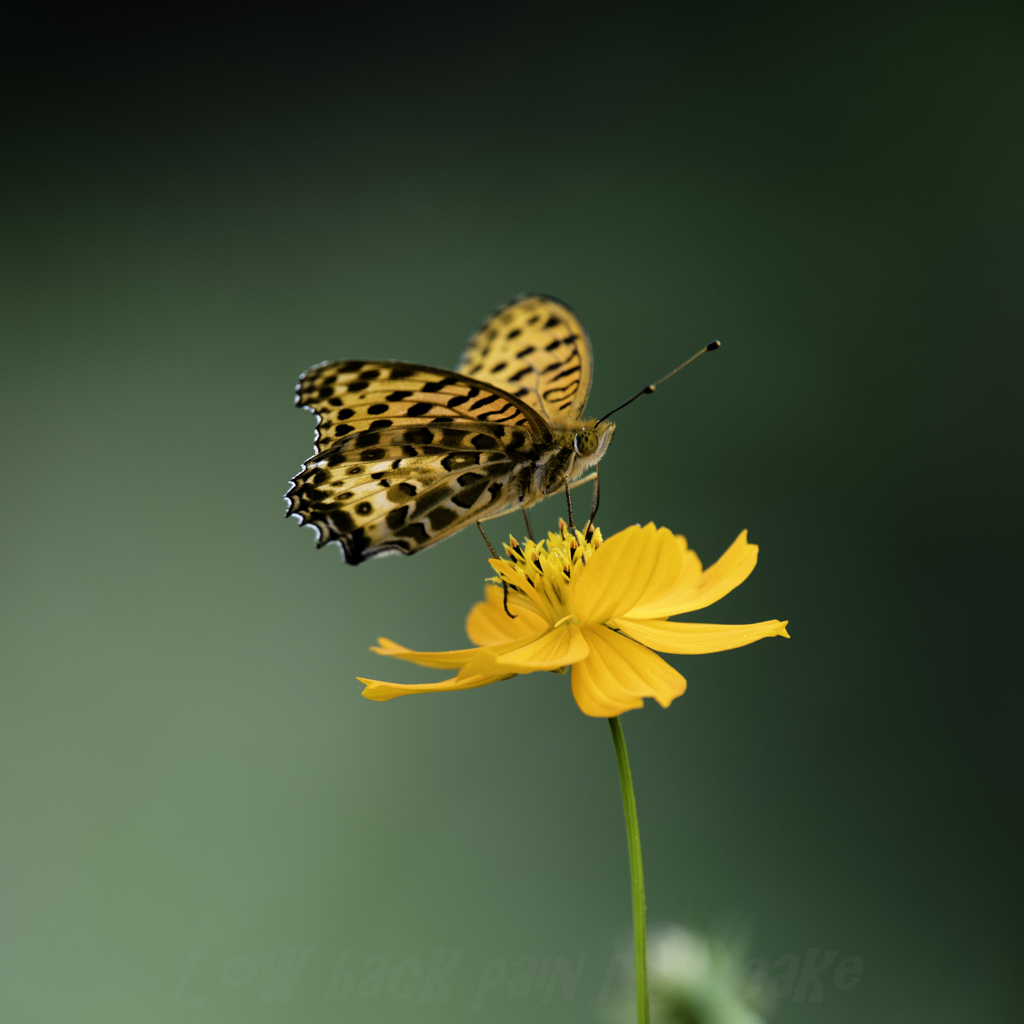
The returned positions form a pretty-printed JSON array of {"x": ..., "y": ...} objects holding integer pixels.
[
  {"x": 402, "y": 488},
  {"x": 537, "y": 349}
]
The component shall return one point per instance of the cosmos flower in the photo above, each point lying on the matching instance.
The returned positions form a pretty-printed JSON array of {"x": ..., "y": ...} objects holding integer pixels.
[{"x": 602, "y": 608}]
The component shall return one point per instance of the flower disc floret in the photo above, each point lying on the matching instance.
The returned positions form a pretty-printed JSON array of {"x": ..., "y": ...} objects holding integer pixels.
[{"x": 541, "y": 573}]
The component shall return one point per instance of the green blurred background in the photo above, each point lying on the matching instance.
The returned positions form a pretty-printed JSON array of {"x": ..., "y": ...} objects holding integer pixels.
[{"x": 203, "y": 821}]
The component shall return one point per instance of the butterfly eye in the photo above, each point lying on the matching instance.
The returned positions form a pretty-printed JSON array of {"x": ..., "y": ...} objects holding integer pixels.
[{"x": 585, "y": 442}]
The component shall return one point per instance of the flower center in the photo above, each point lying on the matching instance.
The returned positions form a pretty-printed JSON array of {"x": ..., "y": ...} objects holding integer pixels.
[{"x": 544, "y": 571}]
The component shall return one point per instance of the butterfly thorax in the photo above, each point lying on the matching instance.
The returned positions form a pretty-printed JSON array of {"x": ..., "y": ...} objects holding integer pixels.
[{"x": 574, "y": 449}]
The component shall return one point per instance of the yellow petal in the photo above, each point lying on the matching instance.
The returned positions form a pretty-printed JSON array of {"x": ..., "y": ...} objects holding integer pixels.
[
  {"x": 639, "y": 564},
  {"x": 692, "y": 567},
  {"x": 696, "y": 637},
  {"x": 553, "y": 649},
  {"x": 692, "y": 591},
  {"x": 431, "y": 659},
  {"x": 488, "y": 624},
  {"x": 377, "y": 690},
  {"x": 619, "y": 673}
]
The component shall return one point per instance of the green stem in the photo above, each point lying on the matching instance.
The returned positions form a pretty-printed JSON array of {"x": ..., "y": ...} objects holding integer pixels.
[{"x": 636, "y": 871}]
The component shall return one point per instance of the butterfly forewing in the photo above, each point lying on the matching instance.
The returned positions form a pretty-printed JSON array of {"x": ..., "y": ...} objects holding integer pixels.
[
  {"x": 536, "y": 349},
  {"x": 372, "y": 395}
]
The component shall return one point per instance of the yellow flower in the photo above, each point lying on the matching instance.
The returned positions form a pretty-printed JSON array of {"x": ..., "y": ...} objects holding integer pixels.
[{"x": 602, "y": 607}]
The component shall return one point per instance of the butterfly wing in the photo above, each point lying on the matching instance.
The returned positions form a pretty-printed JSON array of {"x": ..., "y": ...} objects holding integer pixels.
[
  {"x": 407, "y": 455},
  {"x": 356, "y": 395},
  {"x": 537, "y": 350},
  {"x": 403, "y": 487}
]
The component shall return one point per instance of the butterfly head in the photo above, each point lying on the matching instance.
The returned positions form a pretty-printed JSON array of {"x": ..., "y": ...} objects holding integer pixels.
[{"x": 590, "y": 441}]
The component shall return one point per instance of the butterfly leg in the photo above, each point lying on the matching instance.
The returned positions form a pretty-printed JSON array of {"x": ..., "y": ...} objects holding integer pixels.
[
  {"x": 529, "y": 528},
  {"x": 568, "y": 502},
  {"x": 572, "y": 524},
  {"x": 595, "y": 501},
  {"x": 504, "y": 585}
]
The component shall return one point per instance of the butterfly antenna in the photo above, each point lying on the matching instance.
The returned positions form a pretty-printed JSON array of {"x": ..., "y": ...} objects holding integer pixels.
[{"x": 649, "y": 390}]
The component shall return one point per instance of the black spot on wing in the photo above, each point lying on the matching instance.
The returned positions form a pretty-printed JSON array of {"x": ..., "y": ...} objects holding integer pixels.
[
  {"x": 431, "y": 498},
  {"x": 341, "y": 521},
  {"x": 397, "y": 516},
  {"x": 438, "y": 385},
  {"x": 401, "y": 492},
  {"x": 567, "y": 372},
  {"x": 471, "y": 491},
  {"x": 451, "y": 438},
  {"x": 459, "y": 460},
  {"x": 418, "y": 436},
  {"x": 441, "y": 517},
  {"x": 505, "y": 413},
  {"x": 354, "y": 544},
  {"x": 416, "y": 532}
]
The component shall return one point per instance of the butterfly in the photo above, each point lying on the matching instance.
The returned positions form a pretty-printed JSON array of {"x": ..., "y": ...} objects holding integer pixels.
[{"x": 407, "y": 455}]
